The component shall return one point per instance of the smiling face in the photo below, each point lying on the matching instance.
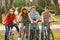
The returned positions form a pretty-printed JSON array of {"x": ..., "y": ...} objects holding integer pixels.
[{"x": 11, "y": 11}]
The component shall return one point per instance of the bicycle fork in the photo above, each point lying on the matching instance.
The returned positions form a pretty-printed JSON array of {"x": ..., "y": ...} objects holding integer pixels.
[
  {"x": 46, "y": 34},
  {"x": 34, "y": 31},
  {"x": 10, "y": 35}
]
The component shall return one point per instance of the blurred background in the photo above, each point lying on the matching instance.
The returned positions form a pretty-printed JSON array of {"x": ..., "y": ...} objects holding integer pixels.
[{"x": 54, "y": 6}]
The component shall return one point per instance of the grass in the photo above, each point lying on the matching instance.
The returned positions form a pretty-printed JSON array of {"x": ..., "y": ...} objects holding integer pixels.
[
  {"x": 56, "y": 36},
  {"x": 1, "y": 24},
  {"x": 58, "y": 20}
]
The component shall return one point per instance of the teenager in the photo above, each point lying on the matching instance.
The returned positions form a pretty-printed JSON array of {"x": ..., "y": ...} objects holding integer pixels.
[
  {"x": 8, "y": 22},
  {"x": 24, "y": 19},
  {"x": 45, "y": 21},
  {"x": 34, "y": 18}
]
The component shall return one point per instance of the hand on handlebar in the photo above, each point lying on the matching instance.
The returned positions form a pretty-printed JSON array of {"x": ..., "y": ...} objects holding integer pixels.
[
  {"x": 17, "y": 23},
  {"x": 32, "y": 22},
  {"x": 3, "y": 22},
  {"x": 54, "y": 21},
  {"x": 35, "y": 22}
]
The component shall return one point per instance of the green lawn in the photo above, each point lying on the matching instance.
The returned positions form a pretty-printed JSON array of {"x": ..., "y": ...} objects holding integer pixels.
[
  {"x": 1, "y": 24},
  {"x": 56, "y": 36},
  {"x": 58, "y": 20}
]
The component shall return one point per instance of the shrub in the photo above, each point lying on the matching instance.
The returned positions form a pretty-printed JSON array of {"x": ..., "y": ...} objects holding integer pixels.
[{"x": 52, "y": 11}]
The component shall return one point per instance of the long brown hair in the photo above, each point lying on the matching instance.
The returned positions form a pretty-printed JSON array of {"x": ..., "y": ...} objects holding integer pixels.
[
  {"x": 24, "y": 14},
  {"x": 9, "y": 15}
]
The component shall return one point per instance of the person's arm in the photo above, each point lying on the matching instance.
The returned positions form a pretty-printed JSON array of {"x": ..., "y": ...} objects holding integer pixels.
[
  {"x": 42, "y": 18},
  {"x": 30, "y": 18},
  {"x": 4, "y": 20},
  {"x": 19, "y": 17},
  {"x": 15, "y": 19},
  {"x": 38, "y": 17},
  {"x": 53, "y": 17}
]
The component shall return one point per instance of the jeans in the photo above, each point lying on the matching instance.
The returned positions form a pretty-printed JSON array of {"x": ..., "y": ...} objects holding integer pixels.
[
  {"x": 8, "y": 29},
  {"x": 42, "y": 32},
  {"x": 32, "y": 34}
]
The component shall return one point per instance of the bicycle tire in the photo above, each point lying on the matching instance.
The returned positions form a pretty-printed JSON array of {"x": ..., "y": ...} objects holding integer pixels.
[
  {"x": 51, "y": 35},
  {"x": 39, "y": 35},
  {"x": 23, "y": 35},
  {"x": 11, "y": 36},
  {"x": 45, "y": 35}
]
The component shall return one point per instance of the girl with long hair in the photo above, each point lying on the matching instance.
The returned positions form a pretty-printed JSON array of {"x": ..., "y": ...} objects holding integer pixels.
[
  {"x": 23, "y": 17},
  {"x": 8, "y": 21}
]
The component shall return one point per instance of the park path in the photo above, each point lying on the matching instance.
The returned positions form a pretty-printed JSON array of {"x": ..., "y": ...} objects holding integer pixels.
[{"x": 52, "y": 27}]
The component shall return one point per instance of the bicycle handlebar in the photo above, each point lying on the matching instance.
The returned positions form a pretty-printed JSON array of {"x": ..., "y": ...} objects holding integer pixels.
[
  {"x": 29, "y": 21},
  {"x": 52, "y": 21}
]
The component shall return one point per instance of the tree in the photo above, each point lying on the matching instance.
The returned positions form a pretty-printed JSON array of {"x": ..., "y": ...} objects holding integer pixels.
[
  {"x": 19, "y": 3},
  {"x": 42, "y": 4},
  {"x": 11, "y": 2},
  {"x": 57, "y": 11},
  {"x": 0, "y": 16},
  {"x": 6, "y": 3},
  {"x": 0, "y": 11}
]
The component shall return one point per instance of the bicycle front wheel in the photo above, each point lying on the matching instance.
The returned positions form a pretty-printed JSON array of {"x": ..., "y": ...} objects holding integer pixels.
[{"x": 51, "y": 36}]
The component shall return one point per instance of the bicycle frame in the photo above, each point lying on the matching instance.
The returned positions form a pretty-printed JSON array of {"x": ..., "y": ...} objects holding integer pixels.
[
  {"x": 23, "y": 34},
  {"x": 46, "y": 33},
  {"x": 11, "y": 35},
  {"x": 34, "y": 30}
]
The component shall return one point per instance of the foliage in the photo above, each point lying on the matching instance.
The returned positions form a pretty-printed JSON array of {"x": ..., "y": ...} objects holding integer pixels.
[
  {"x": 39, "y": 9},
  {"x": 19, "y": 3},
  {"x": 52, "y": 11},
  {"x": 41, "y": 5}
]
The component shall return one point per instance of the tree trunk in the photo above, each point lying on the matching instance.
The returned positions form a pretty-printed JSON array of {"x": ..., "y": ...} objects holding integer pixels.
[
  {"x": 57, "y": 11},
  {"x": 6, "y": 3},
  {"x": 0, "y": 11},
  {"x": 11, "y": 2},
  {"x": 0, "y": 18},
  {"x": 0, "y": 15}
]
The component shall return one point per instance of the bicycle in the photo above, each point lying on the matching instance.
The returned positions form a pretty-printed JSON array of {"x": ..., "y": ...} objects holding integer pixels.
[
  {"x": 11, "y": 34},
  {"x": 51, "y": 36},
  {"x": 23, "y": 35},
  {"x": 34, "y": 30}
]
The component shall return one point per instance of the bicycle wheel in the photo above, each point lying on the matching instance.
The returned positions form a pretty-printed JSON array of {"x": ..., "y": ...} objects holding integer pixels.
[
  {"x": 39, "y": 35},
  {"x": 23, "y": 35},
  {"x": 11, "y": 36},
  {"x": 45, "y": 35},
  {"x": 51, "y": 35}
]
